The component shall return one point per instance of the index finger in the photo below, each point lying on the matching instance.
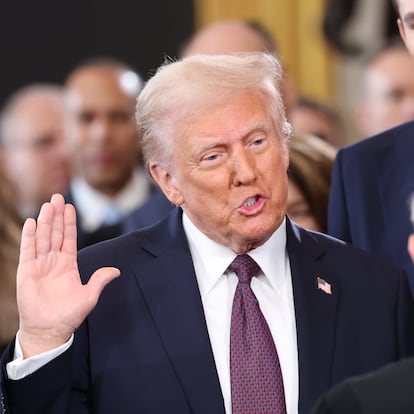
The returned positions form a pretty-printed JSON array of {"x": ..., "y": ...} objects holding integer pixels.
[
  {"x": 69, "y": 243},
  {"x": 27, "y": 243}
]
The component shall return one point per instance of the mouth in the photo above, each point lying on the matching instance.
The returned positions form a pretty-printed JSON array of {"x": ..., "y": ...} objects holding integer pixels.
[
  {"x": 252, "y": 205},
  {"x": 251, "y": 201}
]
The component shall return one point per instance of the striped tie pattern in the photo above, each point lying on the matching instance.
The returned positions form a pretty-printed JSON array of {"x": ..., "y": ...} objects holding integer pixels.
[{"x": 256, "y": 377}]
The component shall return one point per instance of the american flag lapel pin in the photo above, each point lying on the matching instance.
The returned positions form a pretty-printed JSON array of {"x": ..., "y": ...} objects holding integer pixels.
[{"x": 324, "y": 286}]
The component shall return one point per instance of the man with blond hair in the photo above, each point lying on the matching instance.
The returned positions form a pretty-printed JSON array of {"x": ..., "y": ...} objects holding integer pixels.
[{"x": 225, "y": 306}]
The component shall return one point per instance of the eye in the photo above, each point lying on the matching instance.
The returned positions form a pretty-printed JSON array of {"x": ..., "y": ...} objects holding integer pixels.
[
  {"x": 86, "y": 117},
  {"x": 211, "y": 157},
  {"x": 409, "y": 22},
  {"x": 258, "y": 141},
  {"x": 120, "y": 117},
  {"x": 396, "y": 95}
]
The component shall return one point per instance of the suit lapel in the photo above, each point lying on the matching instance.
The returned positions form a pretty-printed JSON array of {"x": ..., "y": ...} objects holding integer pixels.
[
  {"x": 172, "y": 295},
  {"x": 315, "y": 312}
]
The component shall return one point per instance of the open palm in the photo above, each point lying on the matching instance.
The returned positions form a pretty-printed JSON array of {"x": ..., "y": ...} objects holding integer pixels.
[{"x": 51, "y": 298}]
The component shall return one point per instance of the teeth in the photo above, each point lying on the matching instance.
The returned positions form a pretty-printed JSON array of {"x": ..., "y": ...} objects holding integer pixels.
[{"x": 250, "y": 201}]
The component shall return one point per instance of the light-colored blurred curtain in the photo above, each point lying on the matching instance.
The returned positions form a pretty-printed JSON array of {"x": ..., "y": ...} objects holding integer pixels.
[{"x": 296, "y": 27}]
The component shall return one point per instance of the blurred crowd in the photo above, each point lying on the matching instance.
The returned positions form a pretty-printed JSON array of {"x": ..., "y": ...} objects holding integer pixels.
[{"x": 80, "y": 139}]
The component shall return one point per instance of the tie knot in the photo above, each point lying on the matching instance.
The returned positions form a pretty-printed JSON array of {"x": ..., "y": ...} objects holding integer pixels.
[{"x": 244, "y": 267}]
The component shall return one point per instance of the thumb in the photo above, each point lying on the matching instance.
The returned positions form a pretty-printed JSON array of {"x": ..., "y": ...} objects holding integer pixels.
[{"x": 99, "y": 280}]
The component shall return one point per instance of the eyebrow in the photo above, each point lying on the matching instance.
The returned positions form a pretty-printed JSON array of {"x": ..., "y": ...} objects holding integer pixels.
[
  {"x": 408, "y": 18},
  {"x": 258, "y": 125}
]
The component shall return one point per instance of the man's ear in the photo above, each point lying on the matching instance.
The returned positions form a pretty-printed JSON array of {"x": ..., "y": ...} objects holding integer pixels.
[
  {"x": 401, "y": 30},
  {"x": 167, "y": 183}
]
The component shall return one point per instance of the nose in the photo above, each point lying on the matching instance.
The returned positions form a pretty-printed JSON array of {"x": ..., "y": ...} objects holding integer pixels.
[
  {"x": 244, "y": 167},
  {"x": 100, "y": 129}
]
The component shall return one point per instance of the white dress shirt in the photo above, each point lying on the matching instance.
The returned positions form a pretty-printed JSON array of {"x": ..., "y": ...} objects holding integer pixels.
[
  {"x": 93, "y": 206},
  {"x": 273, "y": 289}
]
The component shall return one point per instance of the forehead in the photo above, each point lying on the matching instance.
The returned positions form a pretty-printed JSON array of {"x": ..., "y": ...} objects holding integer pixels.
[
  {"x": 393, "y": 68},
  {"x": 405, "y": 7},
  {"x": 37, "y": 112},
  {"x": 38, "y": 104},
  {"x": 97, "y": 87},
  {"x": 233, "y": 119},
  {"x": 392, "y": 61}
]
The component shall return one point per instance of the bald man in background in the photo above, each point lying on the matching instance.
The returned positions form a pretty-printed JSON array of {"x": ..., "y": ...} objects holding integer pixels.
[
  {"x": 233, "y": 36},
  {"x": 32, "y": 145},
  {"x": 109, "y": 179}
]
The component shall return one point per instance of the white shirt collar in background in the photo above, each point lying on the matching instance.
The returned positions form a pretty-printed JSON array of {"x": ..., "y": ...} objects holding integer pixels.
[{"x": 92, "y": 205}]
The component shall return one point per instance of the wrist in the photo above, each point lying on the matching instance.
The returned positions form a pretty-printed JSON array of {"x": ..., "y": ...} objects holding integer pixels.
[{"x": 36, "y": 343}]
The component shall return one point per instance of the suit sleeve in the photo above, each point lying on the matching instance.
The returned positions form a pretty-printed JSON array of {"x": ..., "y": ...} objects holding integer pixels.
[
  {"x": 338, "y": 220},
  {"x": 339, "y": 400},
  {"x": 49, "y": 390},
  {"x": 405, "y": 318}
]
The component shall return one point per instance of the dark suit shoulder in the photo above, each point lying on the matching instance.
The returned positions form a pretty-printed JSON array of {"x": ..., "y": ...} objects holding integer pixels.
[
  {"x": 345, "y": 259},
  {"x": 386, "y": 390},
  {"x": 152, "y": 211},
  {"x": 132, "y": 248},
  {"x": 383, "y": 140}
]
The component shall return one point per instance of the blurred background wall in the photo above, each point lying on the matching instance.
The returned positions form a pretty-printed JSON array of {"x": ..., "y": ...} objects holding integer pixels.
[{"x": 43, "y": 40}]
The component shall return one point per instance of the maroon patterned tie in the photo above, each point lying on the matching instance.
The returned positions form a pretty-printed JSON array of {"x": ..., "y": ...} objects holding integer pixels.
[{"x": 256, "y": 377}]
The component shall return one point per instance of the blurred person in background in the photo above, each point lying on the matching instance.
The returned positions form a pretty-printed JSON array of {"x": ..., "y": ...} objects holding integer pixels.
[
  {"x": 311, "y": 161},
  {"x": 109, "y": 179},
  {"x": 387, "y": 90},
  {"x": 32, "y": 145},
  {"x": 10, "y": 232},
  {"x": 234, "y": 36},
  {"x": 372, "y": 181},
  {"x": 310, "y": 116}
]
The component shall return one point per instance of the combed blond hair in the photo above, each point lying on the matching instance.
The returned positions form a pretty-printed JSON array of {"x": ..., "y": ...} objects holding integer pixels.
[{"x": 183, "y": 89}]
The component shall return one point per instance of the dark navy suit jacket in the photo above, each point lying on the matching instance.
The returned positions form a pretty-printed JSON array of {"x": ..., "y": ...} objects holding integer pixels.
[
  {"x": 152, "y": 211},
  {"x": 371, "y": 185},
  {"x": 145, "y": 347},
  {"x": 387, "y": 390},
  {"x": 104, "y": 232}
]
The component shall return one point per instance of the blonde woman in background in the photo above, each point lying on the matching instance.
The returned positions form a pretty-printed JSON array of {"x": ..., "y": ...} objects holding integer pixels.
[
  {"x": 10, "y": 231},
  {"x": 310, "y": 167}
]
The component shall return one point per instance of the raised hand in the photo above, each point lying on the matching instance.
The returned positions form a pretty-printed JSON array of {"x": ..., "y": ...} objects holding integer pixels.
[{"x": 51, "y": 298}]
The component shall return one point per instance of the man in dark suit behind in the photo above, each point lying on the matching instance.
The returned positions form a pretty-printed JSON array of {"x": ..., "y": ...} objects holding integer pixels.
[
  {"x": 372, "y": 182},
  {"x": 387, "y": 390},
  {"x": 162, "y": 336}
]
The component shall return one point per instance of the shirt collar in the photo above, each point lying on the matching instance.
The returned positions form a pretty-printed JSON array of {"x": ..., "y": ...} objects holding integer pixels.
[
  {"x": 92, "y": 205},
  {"x": 212, "y": 259}
]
